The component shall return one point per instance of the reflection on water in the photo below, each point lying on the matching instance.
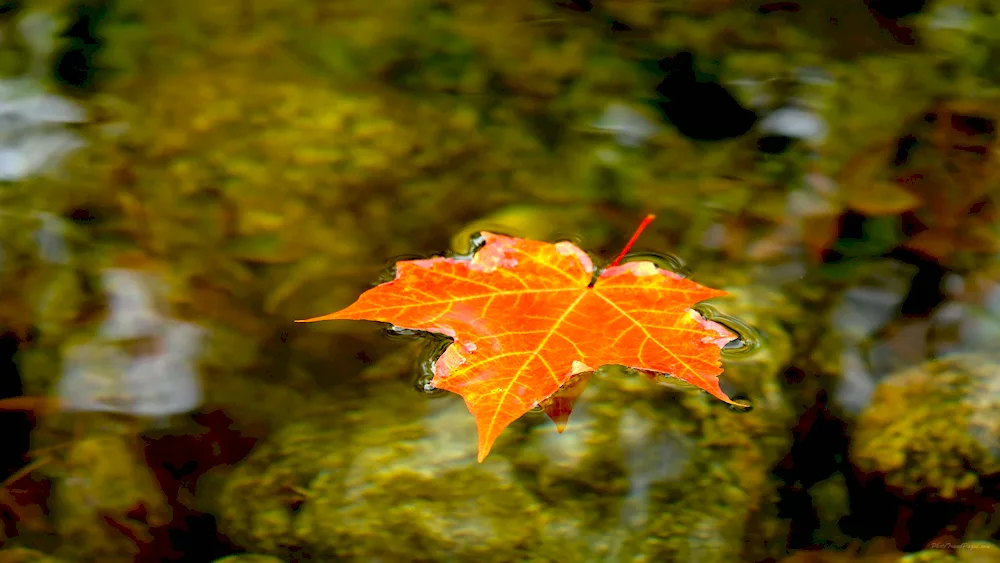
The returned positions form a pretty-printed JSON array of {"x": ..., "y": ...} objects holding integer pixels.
[
  {"x": 156, "y": 378},
  {"x": 32, "y": 133},
  {"x": 648, "y": 457}
]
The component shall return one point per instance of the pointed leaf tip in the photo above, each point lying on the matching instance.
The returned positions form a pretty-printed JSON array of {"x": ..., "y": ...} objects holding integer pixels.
[
  {"x": 331, "y": 316},
  {"x": 559, "y": 406}
]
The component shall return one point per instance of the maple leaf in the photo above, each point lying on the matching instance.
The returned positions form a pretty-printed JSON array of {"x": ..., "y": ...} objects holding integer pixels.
[{"x": 529, "y": 322}]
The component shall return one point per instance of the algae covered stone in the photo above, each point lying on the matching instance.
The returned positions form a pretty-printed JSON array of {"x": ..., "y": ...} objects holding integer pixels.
[
  {"x": 257, "y": 505},
  {"x": 391, "y": 478},
  {"x": 724, "y": 503},
  {"x": 102, "y": 481},
  {"x": 935, "y": 427},
  {"x": 423, "y": 497}
]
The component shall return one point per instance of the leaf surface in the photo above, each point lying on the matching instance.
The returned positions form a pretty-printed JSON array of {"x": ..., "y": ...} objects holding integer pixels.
[{"x": 526, "y": 319}]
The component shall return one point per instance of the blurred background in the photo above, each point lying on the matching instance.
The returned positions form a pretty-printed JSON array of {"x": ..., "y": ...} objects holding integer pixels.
[{"x": 180, "y": 179}]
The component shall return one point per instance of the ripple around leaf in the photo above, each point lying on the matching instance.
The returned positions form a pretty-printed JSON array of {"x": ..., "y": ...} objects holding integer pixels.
[
  {"x": 423, "y": 380},
  {"x": 476, "y": 241},
  {"x": 389, "y": 273},
  {"x": 748, "y": 339},
  {"x": 744, "y": 404},
  {"x": 662, "y": 260},
  {"x": 403, "y": 334}
]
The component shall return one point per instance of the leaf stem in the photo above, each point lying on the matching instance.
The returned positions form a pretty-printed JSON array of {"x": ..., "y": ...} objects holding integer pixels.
[{"x": 649, "y": 218}]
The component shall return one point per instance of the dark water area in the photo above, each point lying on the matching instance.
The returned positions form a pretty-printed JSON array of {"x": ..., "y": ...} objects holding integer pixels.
[{"x": 795, "y": 361}]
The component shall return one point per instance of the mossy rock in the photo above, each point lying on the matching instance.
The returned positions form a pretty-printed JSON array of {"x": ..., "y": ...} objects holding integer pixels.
[
  {"x": 395, "y": 480},
  {"x": 399, "y": 515},
  {"x": 257, "y": 504},
  {"x": 102, "y": 478},
  {"x": 934, "y": 428},
  {"x": 721, "y": 508}
]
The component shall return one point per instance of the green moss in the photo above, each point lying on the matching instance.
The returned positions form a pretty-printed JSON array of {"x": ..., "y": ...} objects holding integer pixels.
[
  {"x": 933, "y": 428},
  {"x": 831, "y": 500},
  {"x": 396, "y": 479},
  {"x": 102, "y": 478},
  {"x": 459, "y": 515}
]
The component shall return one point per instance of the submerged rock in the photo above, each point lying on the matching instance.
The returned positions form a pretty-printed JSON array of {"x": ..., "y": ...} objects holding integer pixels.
[
  {"x": 363, "y": 488},
  {"x": 934, "y": 428},
  {"x": 105, "y": 480},
  {"x": 423, "y": 499}
]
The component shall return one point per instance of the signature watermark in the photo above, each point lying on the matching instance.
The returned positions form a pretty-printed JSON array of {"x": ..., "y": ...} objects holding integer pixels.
[{"x": 963, "y": 545}]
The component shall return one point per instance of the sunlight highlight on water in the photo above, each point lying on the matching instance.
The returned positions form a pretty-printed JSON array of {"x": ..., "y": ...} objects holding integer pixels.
[
  {"x": 748, "y": 339},
  {"x": 389, "y": 273},
  {"x": 422, "y": 381},
  {"x": 745, "y": 404},
  {"x": 662, "y": 260}
]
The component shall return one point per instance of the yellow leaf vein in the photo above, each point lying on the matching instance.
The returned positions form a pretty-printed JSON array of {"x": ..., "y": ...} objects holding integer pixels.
[
  {"x": 650, "y": 336},
  {"x": 541, "y": 345}
]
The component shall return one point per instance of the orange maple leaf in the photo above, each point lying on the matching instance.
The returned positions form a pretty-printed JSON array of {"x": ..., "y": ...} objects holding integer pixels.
[{"x": 527, "y": 317}]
